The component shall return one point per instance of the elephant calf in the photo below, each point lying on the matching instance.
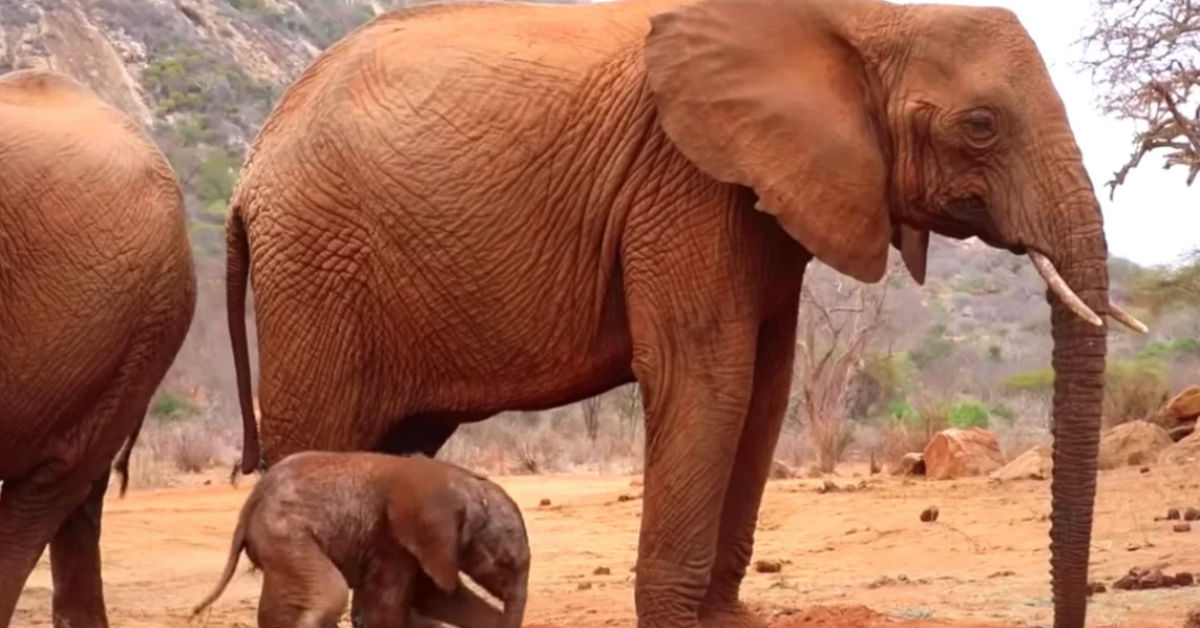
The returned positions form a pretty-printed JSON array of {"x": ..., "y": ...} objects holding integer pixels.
[{"x": 396, "y": 530}]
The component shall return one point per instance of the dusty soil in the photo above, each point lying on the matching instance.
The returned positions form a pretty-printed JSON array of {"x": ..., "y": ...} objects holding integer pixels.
[{"x": 859, "y": 557}]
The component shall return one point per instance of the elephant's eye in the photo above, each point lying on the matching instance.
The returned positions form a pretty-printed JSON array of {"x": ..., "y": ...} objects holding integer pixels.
[{"x": 979, "y": 125}]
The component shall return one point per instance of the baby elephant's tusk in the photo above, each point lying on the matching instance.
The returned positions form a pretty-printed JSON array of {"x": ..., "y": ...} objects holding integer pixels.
[
  {"x": 1059, "y": 286},
  {"x": 1127, "y": 319}
]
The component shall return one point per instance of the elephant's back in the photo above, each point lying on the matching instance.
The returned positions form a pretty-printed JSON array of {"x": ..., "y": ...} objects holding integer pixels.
[{"x": 485, "y": 71}]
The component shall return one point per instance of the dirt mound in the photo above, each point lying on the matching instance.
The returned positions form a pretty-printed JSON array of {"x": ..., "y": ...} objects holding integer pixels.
[
  {"x": 1132, "y": 443},
  {"x": 957, "y": 453},
  {"x": 862, "y": 617},
  {"x": 1186, "y": 451},
  {"x": 1034, "y": 464}
]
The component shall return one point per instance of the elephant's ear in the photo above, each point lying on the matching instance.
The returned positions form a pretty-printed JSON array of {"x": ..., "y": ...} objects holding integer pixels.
[
  {"x": 770, "y": 94},
  {"x": 430, "y": 527}
]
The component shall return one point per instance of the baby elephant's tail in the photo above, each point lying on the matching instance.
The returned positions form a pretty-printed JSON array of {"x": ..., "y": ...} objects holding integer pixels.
[{"x": 235, "y": 552}]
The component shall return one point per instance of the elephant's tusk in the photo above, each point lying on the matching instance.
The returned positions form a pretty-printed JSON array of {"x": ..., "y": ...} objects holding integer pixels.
[
  {"x": 1059, "y": 286},
  {"x": 1127, "y": 319}
]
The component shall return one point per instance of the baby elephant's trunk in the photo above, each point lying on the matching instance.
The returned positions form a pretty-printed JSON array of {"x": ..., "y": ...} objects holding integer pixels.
[{"x": 514, "y": 607}]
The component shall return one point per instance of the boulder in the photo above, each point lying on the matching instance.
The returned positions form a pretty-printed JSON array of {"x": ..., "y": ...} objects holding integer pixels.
[
  {"x": 910, "y": 464},
  {"x": 1034, "y": 464},
  {"x": 1132, "y": 443},
  {"x": 1178, "y": 415},
  {"x": 959, "y": 453},
  {"x": 1185, "y": 452}
]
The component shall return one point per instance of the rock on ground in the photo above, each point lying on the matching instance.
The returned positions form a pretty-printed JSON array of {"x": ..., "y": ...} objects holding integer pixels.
[
  {"x": 959, "y": 453},
  {"x": 910, "y": 464},
  {"x": 1133, "y": 443},
  {"x": 1034, "y": 464},
  {"x": 1178, "y": 415},
  {"x": 1186, "y": 451}
]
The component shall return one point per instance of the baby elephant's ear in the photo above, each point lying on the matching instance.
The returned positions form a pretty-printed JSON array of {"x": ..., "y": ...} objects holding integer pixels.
[{"x": 430, "y": 527}]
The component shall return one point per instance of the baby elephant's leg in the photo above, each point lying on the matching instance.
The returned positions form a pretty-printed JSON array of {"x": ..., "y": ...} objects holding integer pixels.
[
  {"x": 462, "y": 607},
  {"x": 301, "y": 588},
  {"x": 384, "y": 598}
]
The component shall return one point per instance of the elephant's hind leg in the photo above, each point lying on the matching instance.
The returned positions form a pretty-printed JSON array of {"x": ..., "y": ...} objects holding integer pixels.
[
  {"x": 75, "y": 564},
  {"x": 760, "y": 433},
  {"x": 301, "y": 588},
  {"x": 31, "y": 511}
]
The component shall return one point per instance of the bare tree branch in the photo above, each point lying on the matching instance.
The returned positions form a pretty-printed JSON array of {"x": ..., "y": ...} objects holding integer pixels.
[
  {"x": 1146, "y": 57},
  {"x": 835, "y": 331}
]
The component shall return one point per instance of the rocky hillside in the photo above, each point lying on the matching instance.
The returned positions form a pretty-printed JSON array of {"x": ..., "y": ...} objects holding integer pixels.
[{"x": 202, "y": 74}]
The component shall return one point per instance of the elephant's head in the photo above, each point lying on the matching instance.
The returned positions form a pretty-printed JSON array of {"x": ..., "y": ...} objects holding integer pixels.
[
  {"x": 475, "y": 527},
  {"x": 860, "y": 123}
]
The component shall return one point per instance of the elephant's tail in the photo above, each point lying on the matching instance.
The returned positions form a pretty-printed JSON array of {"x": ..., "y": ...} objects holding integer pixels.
[
  {"x": 235, "y": 552},
  {"x": 121, "y": 466},
  {"x": 237, "y": 269}
]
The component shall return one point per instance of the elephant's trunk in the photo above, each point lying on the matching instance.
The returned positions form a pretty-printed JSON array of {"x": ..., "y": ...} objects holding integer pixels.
[
  {"x": 514, "y": 604},
  {"x": 1079, "y": 354}
]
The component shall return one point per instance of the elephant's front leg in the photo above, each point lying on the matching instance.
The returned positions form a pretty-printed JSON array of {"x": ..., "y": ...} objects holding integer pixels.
[
  {"x": 768, "y": 405},
  {"x": 696, "y": 377},
  {"x": 75, "y": 564}
]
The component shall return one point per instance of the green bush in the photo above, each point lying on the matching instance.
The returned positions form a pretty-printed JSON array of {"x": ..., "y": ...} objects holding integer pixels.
[
  {"x": 934, "y": 346},
  {"x": 966, "y": 414},
  {"x": 167, "y": 406},
  {"x": 1134, "y": 389},
  {"x": 1173, "y": 350},
  {"x": 1002, "y": 411},
  {"x": 900, "y": 410},
  {"x": 215, "y": 178},
  {"x": 1037, "y": 380}
]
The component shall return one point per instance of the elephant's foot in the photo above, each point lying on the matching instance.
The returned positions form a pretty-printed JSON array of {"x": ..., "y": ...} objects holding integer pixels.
[{"x": 729, "y": 615}]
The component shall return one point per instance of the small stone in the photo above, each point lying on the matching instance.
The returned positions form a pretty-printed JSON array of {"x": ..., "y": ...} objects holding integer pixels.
[
  {"x": 1144, "y": 470},
  {"x": 1127, "y": 582},
  {"x": 1182, "y": 527},
  {"x": 1191, "y": 514},
  {"x": 545, "y": 502},
  {"x": 583, "y": 586},
  {"x": 1185, "y": 579},
  {"x": 827, "y": 487},
  {"x": 1152, "y": 580},
  {"x": 929, "y": 515},
  {"x": 1096, "y": 587},
  {"x": 1002, "y": 574},
  {"x": 768, "y": 566},
  {"x": 601, "y": 571},
  {"x": 1172, "y": 514},
  {"x": 624, "y": 498}
]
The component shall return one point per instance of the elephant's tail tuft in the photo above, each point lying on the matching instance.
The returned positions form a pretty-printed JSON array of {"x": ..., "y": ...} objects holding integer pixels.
[
  {"x": 235, "y": 552},
  {"x": 237, "y": 269},
  {"x": 121, "y": 466}
]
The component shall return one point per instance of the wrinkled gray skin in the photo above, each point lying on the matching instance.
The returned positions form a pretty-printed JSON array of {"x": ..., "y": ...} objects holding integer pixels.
[{"x": 395, "y": 530}]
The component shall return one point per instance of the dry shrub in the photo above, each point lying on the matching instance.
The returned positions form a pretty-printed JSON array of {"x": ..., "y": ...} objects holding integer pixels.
[
  {"x": 551, "y": 441},
  {"x": 911, "y": 434}
]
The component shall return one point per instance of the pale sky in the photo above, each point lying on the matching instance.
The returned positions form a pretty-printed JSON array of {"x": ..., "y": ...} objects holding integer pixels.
[{"x": 1155, "y": 216}]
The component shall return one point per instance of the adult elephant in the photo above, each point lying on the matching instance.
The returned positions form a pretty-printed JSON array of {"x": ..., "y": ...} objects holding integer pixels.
[
  {"x": 458, "y": 210},
  {"x": 97, "y": 291}
]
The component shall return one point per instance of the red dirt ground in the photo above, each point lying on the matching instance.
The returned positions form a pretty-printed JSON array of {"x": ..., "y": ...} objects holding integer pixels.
[{"x": 849, "y": 558}]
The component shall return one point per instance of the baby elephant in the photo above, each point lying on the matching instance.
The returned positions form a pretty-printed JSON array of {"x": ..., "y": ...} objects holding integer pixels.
[{"x": 396, "y": 530}]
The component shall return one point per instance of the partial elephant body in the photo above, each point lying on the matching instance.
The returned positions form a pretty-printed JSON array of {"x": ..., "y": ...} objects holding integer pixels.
[
  {"x": 464, "y": 209},
  {"x": 395, "y": 530},
  {"x": 98, "y": 291},
  {"x": 385, "y": 280}
]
